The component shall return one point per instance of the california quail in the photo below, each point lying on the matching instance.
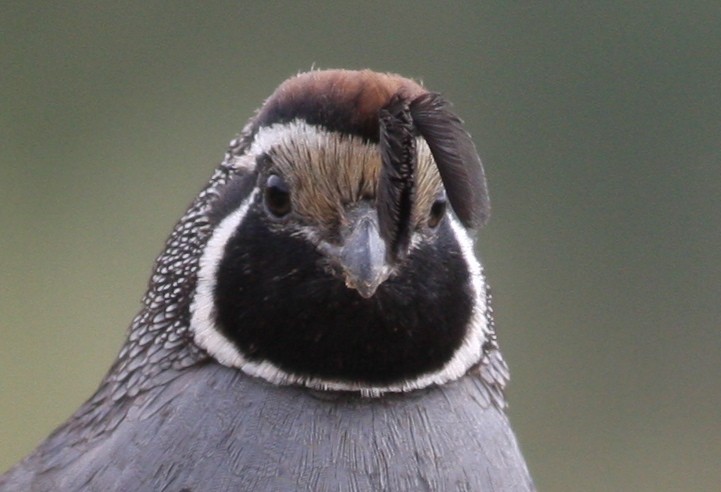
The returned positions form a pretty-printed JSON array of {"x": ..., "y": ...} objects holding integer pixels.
[{"x": 318, "y": 320}]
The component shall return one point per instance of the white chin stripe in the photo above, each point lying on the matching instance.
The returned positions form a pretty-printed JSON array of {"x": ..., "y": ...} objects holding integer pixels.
[{"x": 202, "y": 321}]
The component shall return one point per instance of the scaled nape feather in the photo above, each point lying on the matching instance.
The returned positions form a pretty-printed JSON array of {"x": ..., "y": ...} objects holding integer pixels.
[{"x": 318, "y": 319}]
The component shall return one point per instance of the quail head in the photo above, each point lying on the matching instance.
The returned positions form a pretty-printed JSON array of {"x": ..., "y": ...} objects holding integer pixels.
[{"x": 317, "y": 320}]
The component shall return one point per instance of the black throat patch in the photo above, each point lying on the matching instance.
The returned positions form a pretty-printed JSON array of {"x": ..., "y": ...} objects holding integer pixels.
[{"x": 276, "y": 301}]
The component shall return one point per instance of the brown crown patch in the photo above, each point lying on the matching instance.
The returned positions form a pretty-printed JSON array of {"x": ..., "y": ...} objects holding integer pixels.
[
  {"x": 359, "y": 105},
  {"x": 345, "y": 101}
]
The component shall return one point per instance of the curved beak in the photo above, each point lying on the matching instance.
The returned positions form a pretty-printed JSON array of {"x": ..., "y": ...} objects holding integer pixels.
[{"x": 362, "y": 255}]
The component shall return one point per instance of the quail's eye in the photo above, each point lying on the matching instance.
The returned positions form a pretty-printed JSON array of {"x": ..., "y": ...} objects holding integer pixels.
[
  {"x": 277, "y": 196},
  {"x": 438, "y": 210}
]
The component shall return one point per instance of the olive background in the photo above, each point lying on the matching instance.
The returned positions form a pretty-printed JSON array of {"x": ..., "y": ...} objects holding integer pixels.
[{"x": 599, "y": 124}]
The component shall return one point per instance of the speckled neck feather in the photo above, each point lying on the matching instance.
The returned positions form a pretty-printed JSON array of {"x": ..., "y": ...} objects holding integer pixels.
[{"x": 160, "y": 343}]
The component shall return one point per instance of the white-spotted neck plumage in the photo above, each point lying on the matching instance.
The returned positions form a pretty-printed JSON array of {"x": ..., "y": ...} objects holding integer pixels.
[
  {"x": 318, "y": 319},
  {"x": 331, "y": 249}
]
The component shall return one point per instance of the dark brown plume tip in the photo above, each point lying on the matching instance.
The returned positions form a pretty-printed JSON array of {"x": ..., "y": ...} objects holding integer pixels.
[
  {"x": 456, "y": 157},
  {"x": 345, "y": 101}
]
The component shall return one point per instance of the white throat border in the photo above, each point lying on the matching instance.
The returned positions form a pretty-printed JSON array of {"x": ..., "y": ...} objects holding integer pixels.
[{"x": 209, "y": 337}]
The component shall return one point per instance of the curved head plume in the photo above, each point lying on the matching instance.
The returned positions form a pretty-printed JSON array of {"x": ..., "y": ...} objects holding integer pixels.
[{"x": 391, "y": 111}]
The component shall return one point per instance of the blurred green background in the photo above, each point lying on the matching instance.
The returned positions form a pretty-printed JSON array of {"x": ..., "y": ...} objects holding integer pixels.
[{"x": 600, "y": 127}]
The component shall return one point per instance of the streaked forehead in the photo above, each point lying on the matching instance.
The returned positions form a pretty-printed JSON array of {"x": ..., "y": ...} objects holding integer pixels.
[{"x": 329, "y": 171}]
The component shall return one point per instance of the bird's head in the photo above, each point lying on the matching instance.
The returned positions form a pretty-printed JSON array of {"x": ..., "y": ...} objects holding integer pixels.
[{"x": 339, "y": 254}]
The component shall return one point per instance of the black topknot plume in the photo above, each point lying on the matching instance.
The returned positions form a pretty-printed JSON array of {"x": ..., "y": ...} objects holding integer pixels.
[
  {"x": 456, "y": 157},
  {"x": 396, "y": 189}
]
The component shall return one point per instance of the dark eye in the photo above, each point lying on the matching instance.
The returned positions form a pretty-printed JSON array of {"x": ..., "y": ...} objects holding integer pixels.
[
  {"x": 438, "y": 210},
  {"x": 277, "y": 196}
]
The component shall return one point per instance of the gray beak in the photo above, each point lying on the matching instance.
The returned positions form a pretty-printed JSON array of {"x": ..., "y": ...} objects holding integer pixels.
[{"x": 362, "y": 255}]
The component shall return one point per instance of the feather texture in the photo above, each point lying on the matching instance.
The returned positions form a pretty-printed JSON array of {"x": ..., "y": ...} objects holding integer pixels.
[
  {"x": 169, "y": 416},
  {"x": 213, "y": 428},
  {"x": 456, "y": 157},
  {"x": 396, "y": 188}
]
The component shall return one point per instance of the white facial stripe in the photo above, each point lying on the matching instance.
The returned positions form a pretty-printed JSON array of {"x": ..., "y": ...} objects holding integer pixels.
[
  {"x": 270, "y": 136},
  {"x": 471, "y": 350},
  {"x": 202, "y": 309}
]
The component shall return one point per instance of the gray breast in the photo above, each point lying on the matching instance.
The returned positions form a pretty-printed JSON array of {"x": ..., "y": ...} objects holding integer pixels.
[{"x": 213, "y": 428}]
